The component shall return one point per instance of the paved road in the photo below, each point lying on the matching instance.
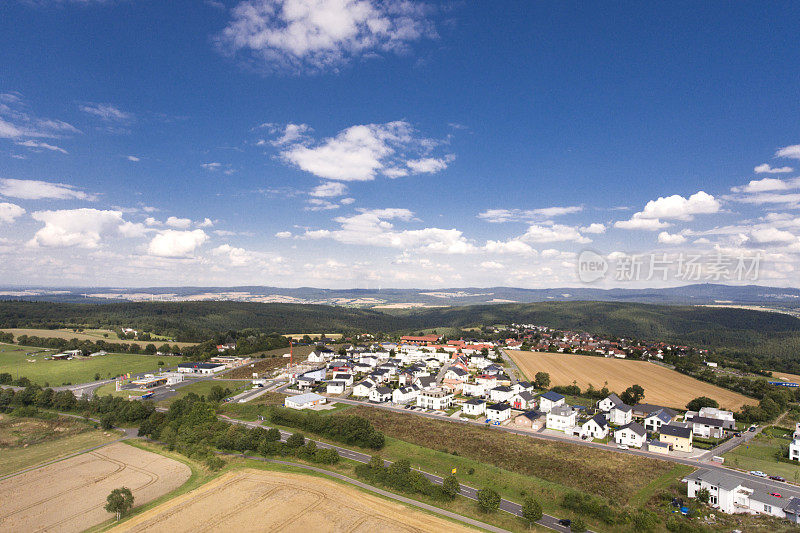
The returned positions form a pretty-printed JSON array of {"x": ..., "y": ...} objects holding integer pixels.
[
  {"x": 514, "y": 508},
  {"x": 510, "y": 362}
]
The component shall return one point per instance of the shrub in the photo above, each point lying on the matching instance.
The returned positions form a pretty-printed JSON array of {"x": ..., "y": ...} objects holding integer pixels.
[
  {"x": 488, "y": 500},
  {"x": 215, "y": 463}
]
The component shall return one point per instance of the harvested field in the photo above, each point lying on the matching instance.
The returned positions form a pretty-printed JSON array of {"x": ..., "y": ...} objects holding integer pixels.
[
  {"x": 69, "y": 495},
  {"x": 258, "y": 500},
  {"x": 88, "y": 335},
  {"x": 605, "y": 473},
  {"x": 783, "y": 376},
  {"x": 662, "y": 386}
]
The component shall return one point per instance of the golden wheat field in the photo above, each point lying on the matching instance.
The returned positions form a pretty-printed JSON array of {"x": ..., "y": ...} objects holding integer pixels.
[{"x": 662, "y": 386}]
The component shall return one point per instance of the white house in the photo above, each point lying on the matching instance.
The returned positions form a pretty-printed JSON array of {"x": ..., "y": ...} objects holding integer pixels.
[
  {"x": 631, "y": 434},
  {"x": 303, "y": 401},
  {"x": 501, "y": 394},
  {"x": 335, "y": 387},
  {"x": 320, "y": 355},
  {"x": 794, "y": 446},
  {"x": 498, "y": 412},
  {"x": 608, "y": 403},
  {"x": 425, "y": 382},
  {"x": 474, "y": 407},
  {"x": 343, "y": 376},
  {"x": 708, "y": 428},
  {"x": 524, "y": 400},
  {"x": 362, "y": 388},
  {"x": 731, "y": 494},
  {"x": 404, "y": 394},
  {"x": 621, "y": 414},
  {"x": 380, "y": 394},
  {"x": 550, "y": 399},
  {"x": 596, "y": 427},
  {"x": 473, "y": 389},
  {"x": 200, "y": 368},
  {"x": 436, "y": 399},
  {"x": 456, "y": 374},
  {"x": 726, "y": 417},
  {"x": 561, "y": 417},
  {"x": 656, "y": 420}
]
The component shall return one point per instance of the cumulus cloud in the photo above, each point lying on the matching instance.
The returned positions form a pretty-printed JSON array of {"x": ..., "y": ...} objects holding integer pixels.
[
  {"x": 75, "y": 227},
  {"x": 671, "y": 238},
  {"x": 362, "y": 152},
  {"x": 106, "y": 112},
  {"x": 492, "y": 265},
  {"x": 639, "y": 222},
  {"x": 511, "y": 246},
  {"x": 594, "y": 228},
  {"x": 240, "y": 257},
  {"x": 772, "y": 235},
  {"x": 790, "y": 152},
  {"x": 527, "y": 215},
  {"x": 767, "y": 185},
  {"x": 766, "y": 169},
  {"x": 206, "y": 223},
  {"x": 329, "y": 190},
  {"x": 318, "y": 204},
  {"x": 291, "y": 133},
  {"x": 10, "y": 212},
  {"x": 176, "y": 244},
  {"x": 178, "y": 223},
  {"x": 318, "y": 35},
  {"x": 556, "y": 233},
  {"x": 40, "y": 190},
  {"x": 674, "y": 207},
  {"x": 284, "y": 234},
  {"x": 133, "y": 158}
]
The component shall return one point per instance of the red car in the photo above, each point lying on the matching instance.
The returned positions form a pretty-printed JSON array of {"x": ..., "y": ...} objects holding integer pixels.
[{"x": 776, "y": 494}]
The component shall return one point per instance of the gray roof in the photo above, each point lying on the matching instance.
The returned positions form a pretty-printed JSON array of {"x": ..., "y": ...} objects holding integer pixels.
[
  {"x": 527, "y": 395},
  {"x": 658, "y": 444},
  {"x": 614, "y": 399},
  {"x": 499, "y": 407},
  {"x": 532, "y": 415},
  {"x": 562, "y": 410},
  {"x": 793, "y": 506},
  {"x": 707, "y": 421},
  {"x": 384, "y": 390},
  {"x": 475, "y": 401},
  {"x": 635, "y": 427},
  {"x": 503, "y": 388},
  {"x": 662, "y": 415},
  {"x": 622, "y": 407},
  {"x": 675, "y": 431},
  {"x": 600, "y": 420},
  {"x": 649, "y": 408}
]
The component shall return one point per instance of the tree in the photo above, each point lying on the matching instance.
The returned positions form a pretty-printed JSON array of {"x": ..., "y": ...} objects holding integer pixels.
[
  {"x": 120, "y": 501},
  {"x": 542, "y": 380},
  {"x": 451, "y": 487},
  {"x": 217, "y": 393},
  {"x": 632, "y": 395},
  {"x": 295, "y": 440},
  {"x": 577, "y": 526},
  {"x": 531, "y": 510},
  {"x": 488, "y": 500},
  {"x": 703, "y": 495},
  {"x": 700, "y": 402}
]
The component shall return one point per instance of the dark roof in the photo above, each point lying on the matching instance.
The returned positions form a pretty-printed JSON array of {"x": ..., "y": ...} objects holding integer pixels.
[
  {"x": 552, "y": 396},
  {"x": 499, "y": 407},
  {"x": 793, "y": 506},
  {"x": 458, "y": 371},
  {"x": 532, "y": 415},
  {"x": 475, "y": 401},
  {"x": 526, "y": 384},
  {"x": 202, "y": 366},
  {"x": 503, "y": 388},
  {"x": 648, "y": 408},
  {"x": 615, "y": 399},
  {"x": 635, "y": 427},
  {"x": 527, "y": 395},
  {"x": 675, "y": 431},
  {"x": 600, "y": 420},
  {"x": 707, "y": 421},
  {"x": 384, "y": 390},
  {"x": 622, "y": 407}
]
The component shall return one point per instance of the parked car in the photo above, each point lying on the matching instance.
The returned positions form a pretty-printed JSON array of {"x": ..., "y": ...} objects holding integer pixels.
[
  {"x": 566, "y": 522},
  {"x": 751, "y": 428},
  {"x": 622, "y": 446},
  {"x": 778, "y": 478},
  {"x": 757, "y": 473},
  {"x": 776, "y": 494}
]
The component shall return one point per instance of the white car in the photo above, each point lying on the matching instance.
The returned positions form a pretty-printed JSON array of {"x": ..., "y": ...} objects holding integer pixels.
[
  {"x": 622, "y": 446},
  {"x": 758, "y": 473}
]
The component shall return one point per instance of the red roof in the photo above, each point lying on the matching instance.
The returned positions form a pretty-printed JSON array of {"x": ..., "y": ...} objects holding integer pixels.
[{"x": 423, "y": 338}]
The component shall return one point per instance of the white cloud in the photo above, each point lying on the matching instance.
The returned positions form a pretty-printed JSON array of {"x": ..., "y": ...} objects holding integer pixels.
[
  {"x": 41, "y": 145},
  {"x": 766, "y": 169},
  {"x": 317, "y": 35},
  {"x": 638, "y": 222},
  {"x": 284, "y": 234},
  {"x": 40, "y": 190},
  {"x": 17, "y": 123},
  {"x": 556, "y": 233},
  {"x": 767, "y": 185},
  {"x": 211, "y": 166},
  {"x": 772, "y": 235},
  {"x": 492, "y": 265},
  {"x": 329, "y": 189},
  {"x": 318, "y": 204},
  {"x": 791, "y": 152},
  {"x": 133, "y": 229},
  {"x": 347, "y": 201},
  {"x": 178, "y": 223},
  {"x": 75, "y": 227},
  {"x": 107, "y": 112},
  {"x": 527, "y": 215},
  {"x": 10, "y": 212},
  {"x": 177, "y": 244},
  {"x": 133, "y": 158},
  {"x": 206, "y": 223},
  {"x": 671, "y": 238},
  {"x": 362, "y": 152},
  {"x": 594, "y": 228},
  {"x": 677, "y": 207},
  {"x": 511, "y": 246},
  {"x": 291, "y": 133}
]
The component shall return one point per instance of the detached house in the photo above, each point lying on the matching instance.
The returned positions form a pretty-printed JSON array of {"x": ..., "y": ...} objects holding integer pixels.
[
  {"x": 362, "y": 388},
  {"x": 631, "y": 434},
  {"x": 596, "y": 427},
  {"x": 502, "y": 393},
  {"x": 404, "y": 394},
  {"x": 425, "y": 382},
  {"x": 523, "y": 400},
  {"x": 473, "y": 389},
  {"x": 534, "y": 420},
  {"x": 380, "y": 394},
  {"x": 562, "y": 418},
  {"x": 656, "y": 420},
  {"x": 731, "y": 494},
  {"x": 621, "y": 414},
  {"x": 474, "y": 407},
  {"x": 608, "y": 403},
  {"x": 335, "y": 387},
  {"x": 550, "y": 399},
  {"x": 436, "y": 399},
  {"x": 498, "y": 412},
  {"x": 678, "y": 437},
  {"x": 707, "y": 428}
]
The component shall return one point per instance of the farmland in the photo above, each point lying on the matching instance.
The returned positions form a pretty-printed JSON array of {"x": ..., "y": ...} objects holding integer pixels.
[
  {"x": 69, "y": 495},
  {"x": 256, "y": 500},
  {"x": 661, "y": 385},
  {"x": 87, "y": 335},
  {"x": 13, "y": 359},
  {"x": 26, "y": 442}
]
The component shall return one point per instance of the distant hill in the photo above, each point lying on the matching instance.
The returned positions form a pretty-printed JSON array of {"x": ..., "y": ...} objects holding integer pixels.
[{"x": 380, "y": 298}]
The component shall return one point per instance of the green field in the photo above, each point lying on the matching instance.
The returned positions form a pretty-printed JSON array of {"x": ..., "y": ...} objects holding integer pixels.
[
  {"x": 72, "y": 435},
  {"x": 760, "y": 454},
  {"x": 54, "y": 373}
]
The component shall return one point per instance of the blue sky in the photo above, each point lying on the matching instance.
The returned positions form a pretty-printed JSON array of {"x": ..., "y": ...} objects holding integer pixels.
[{"x": 356, "y": 143}]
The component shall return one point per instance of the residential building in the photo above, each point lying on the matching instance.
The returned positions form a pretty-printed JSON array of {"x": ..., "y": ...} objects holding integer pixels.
[
  {"x": 474, "y": 407},
  {"x": 534, "y": 420},
  {"x": 404, "y": 394},
  {"x": 596, "y": 427},
  {"x": 707, "y": 428},
  {"x": 621, "y": 414},
  {"x": 678, "y": 437},
  {"x": 380, "y": 394},
  {"x": 498, "y": 412},
  {"x": 794, "y": 446},
  {"x": 656, "y": 446},
  {"x": 303, "y": 401},
  {"x": 456, "y": 374},
  {"x": 609, "y": 402},
  {"x": 561, "y": 417},
  {"x": 523, "y": 400},
  {"x": 426, "y": 382},
  {"x": 654, "y": 421},
  {"x": 730, "y": 493},
  {"x": 335, "y": 387},
  {"x": 631, "y": 434},
  {"x": 473, "y": 389},
  {"x": 503, "y": 393},
  {"x": 436, "y": 399},
  {"x": 362, "y": 388},
  {"x": 550, "y": 399}
]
